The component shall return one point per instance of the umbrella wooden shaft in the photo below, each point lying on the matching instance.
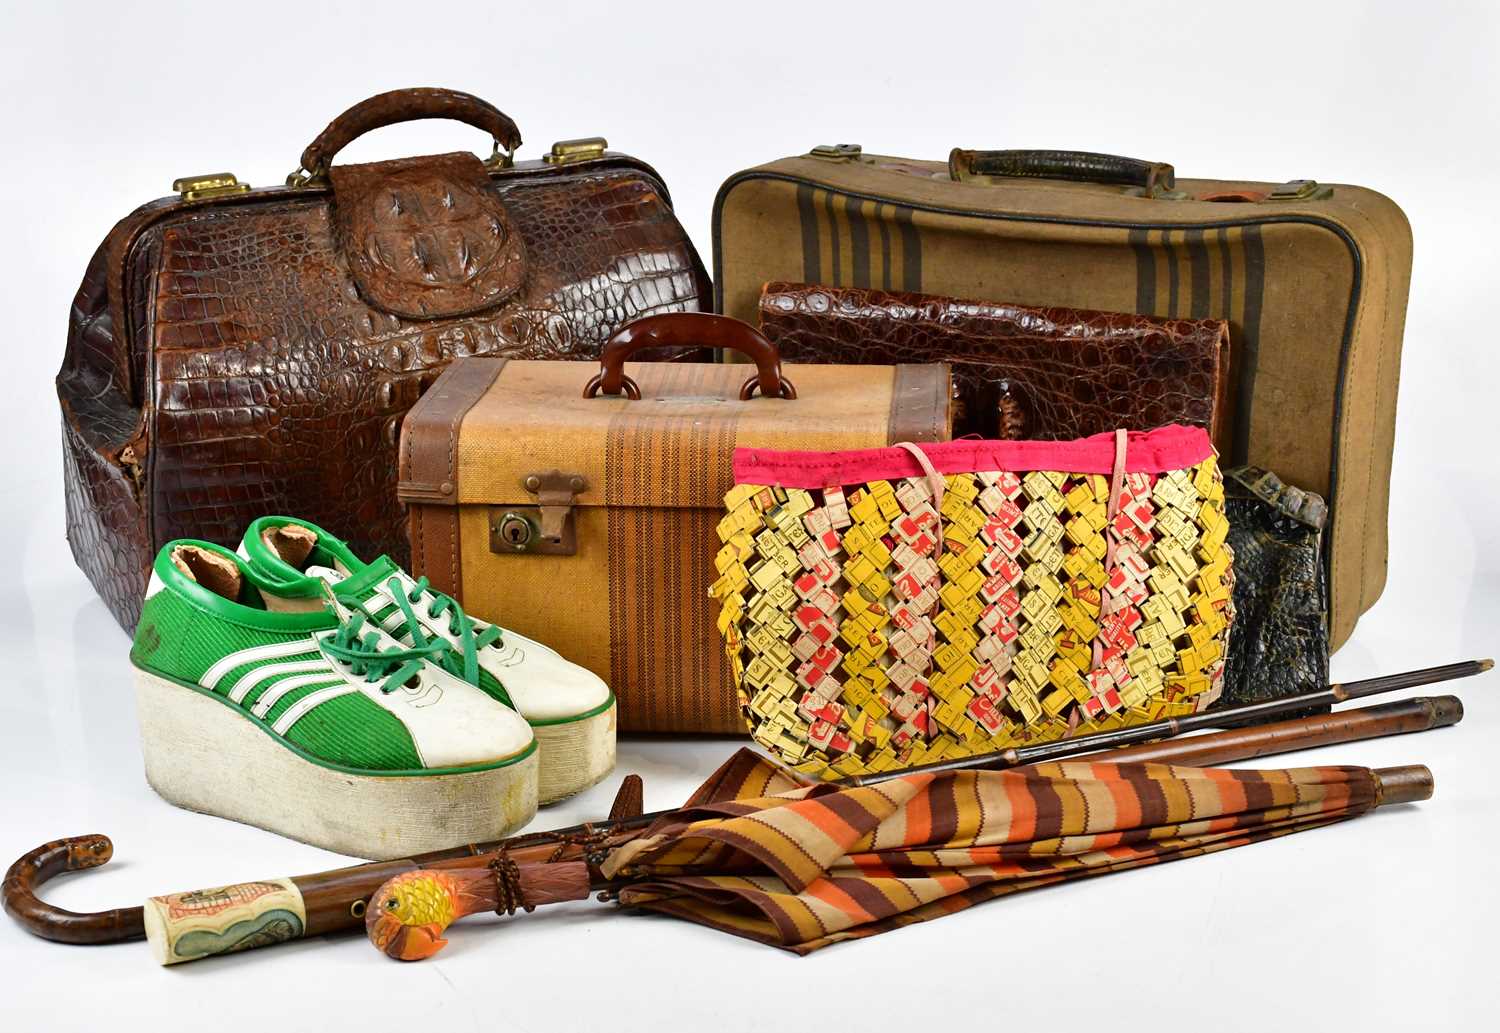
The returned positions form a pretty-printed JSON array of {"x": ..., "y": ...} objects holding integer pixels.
[{"x": 335, "y": 900}]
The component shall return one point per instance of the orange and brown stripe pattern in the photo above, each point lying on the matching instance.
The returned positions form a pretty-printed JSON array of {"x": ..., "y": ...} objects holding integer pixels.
[{"x": 760, "y": 855}]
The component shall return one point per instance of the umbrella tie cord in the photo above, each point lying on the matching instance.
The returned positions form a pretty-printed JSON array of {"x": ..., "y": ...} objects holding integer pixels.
[
  {"x": 509, "y": 896},
  {"x": 591, "y": 843}
]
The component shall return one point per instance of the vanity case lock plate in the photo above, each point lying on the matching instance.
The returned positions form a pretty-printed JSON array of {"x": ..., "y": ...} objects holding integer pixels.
[{"x": 547, "y": 528}]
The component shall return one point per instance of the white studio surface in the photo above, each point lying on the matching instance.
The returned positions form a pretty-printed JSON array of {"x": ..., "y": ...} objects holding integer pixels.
[{"x": 1386, "y": 922}]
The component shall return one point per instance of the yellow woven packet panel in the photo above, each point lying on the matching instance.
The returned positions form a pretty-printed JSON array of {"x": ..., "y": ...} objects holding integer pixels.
[{"x": 857, "y": 647}]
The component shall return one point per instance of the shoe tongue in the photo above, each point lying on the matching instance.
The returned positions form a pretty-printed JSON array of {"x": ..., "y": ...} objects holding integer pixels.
[
  {"x": 360, "y": 583},
  {"x": 328, "y": 574}
]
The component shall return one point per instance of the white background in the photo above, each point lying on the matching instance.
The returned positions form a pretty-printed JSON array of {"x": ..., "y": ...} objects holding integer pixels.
[{"x": 1385, "y": 922}]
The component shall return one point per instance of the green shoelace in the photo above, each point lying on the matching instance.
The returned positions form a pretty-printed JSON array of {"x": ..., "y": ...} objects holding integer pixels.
[
  {"x": 460, "y": 625},
  {"x": 393, "y": 667}
]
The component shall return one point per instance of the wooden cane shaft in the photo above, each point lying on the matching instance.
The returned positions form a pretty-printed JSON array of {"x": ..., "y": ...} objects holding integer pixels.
[
  {"x": 1248, "y": 715},
  {"x": 1342, "y": 691},
  {"x": 1241, "y": 744},
  {"x": 544, "y": 883}
]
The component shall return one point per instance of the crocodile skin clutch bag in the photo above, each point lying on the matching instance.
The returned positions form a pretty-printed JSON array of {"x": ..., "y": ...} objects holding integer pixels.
[
  {"x": 898, "y": 606},
  {"x": 1041, "y": 373}
]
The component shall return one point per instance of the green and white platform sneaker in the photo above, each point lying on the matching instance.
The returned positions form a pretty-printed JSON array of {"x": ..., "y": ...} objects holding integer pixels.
[
  {"x": 570, "y": 709},
  {"x": 284, "y": 707}
]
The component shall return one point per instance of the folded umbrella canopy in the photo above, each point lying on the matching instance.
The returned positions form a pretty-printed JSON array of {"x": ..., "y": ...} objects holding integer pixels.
[
  {"x": 759, "y": 853},
  {"x": 802, "y": 867}
]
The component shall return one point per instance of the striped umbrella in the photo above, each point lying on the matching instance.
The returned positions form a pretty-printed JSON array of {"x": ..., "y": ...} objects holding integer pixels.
[{"x": 759, "y": 853}]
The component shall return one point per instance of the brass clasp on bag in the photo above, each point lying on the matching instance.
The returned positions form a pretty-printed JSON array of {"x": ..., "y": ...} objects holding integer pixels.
[
  {"x": 1300, "y": 190},
  {"x": 567, "y": 152},
  {"x": 215, "y": 184},
  {"x": 548, "y": 527},
  {"x": 836, "y": 151}
]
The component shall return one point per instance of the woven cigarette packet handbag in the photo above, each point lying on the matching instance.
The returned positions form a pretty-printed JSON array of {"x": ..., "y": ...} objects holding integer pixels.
[{"x": 897, "y": 606}]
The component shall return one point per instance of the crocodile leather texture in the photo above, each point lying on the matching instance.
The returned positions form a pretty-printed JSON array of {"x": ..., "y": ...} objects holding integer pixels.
[
  {"x": 229, "y": 358},
  {"x": 1280, "y": 642},
  {"x": 1041, "y": 373},
  {"x": 427, "y": 237}
]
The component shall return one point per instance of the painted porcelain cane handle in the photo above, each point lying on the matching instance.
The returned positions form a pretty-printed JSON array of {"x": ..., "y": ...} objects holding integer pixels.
[{"x": 200, "y": 923}]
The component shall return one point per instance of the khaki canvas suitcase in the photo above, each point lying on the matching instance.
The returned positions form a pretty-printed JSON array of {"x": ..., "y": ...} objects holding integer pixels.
[
  {"x": 1312, "y": 278},
  {"x": 588, "y": 522}
]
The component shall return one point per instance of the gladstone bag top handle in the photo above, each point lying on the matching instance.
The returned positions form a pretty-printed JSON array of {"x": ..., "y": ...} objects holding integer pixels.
[
  {"x": 689, "y": 330},
  {"x": 409, "y": 105}
]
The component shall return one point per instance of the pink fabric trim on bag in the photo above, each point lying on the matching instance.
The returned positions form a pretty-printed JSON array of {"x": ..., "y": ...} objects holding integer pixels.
[{"x": 1173, "y": 447}]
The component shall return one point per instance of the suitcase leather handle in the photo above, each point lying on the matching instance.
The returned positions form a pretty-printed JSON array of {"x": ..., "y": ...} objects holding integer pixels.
[
  {"x": 689, "y": 330},
  {"x": 410, "y": 105},
  {"x": 1079, "y": 166}
]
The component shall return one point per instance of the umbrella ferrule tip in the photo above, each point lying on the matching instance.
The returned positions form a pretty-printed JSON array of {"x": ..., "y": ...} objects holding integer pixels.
[{"x": 1409, "y": 783}]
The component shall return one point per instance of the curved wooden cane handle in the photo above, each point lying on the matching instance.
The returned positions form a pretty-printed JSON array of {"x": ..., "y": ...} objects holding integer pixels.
[
  {"x": 689, "y": 330},
  {"x": 409, "y": 105},
  {"x": 75, "y": 853}
]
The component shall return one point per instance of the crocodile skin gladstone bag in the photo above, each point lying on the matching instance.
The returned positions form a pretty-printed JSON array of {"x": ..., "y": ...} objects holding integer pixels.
[{"x": 236, "y": 352}]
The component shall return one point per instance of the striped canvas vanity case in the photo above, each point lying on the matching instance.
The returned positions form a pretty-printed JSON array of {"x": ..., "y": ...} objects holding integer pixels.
[
  {"x": 890, "y": 607},
  {"x": 583, "y": 516}
]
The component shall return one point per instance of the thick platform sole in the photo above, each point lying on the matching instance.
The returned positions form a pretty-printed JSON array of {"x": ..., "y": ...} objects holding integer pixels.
[
  {"x": 202, "y": 755},
  {"x": 575, "y": 754}
]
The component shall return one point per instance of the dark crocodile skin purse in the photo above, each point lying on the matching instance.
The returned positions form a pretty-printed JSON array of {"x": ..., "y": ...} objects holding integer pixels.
[
  {"x": 237, "y": 352},
  {"x": 1049, "y": 374},
  {"x": 1279, "y": 645}
]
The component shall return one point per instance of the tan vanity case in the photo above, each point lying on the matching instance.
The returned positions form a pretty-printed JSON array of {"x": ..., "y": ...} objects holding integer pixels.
[
  {"x": 1311, "y": 277},
  {"x": 589, "y": 523}
]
